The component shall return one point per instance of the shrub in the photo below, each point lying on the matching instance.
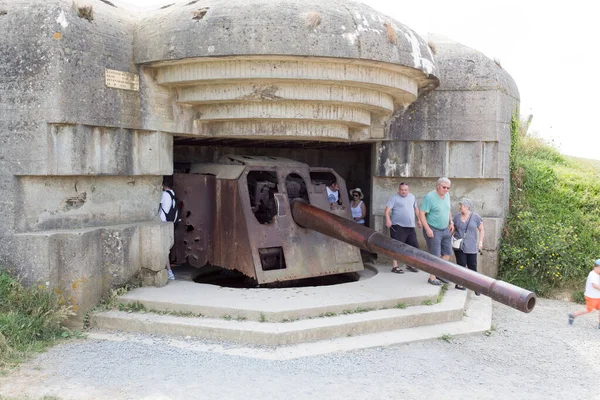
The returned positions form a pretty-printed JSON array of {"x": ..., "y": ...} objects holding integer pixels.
[
  {"x": 30, "y": 320},
  {"x": 549, "y": 240}
]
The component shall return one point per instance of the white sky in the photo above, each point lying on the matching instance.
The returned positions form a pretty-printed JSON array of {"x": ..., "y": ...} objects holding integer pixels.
[{"x": 549, "y": 48}]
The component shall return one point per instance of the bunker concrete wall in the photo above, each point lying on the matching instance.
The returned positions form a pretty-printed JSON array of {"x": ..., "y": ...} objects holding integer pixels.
[
  {"x": 461, "y": 131},
  {"x": 343, "y": 29},
  {"x": 80, "y": 179}
]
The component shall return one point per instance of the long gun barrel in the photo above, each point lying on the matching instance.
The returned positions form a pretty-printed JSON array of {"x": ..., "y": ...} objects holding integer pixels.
[{"x": 368, "y": 239}]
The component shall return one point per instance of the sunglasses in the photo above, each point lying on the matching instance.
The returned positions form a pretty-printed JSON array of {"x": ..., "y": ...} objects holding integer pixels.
[
  {"x": 446, "y": 187},
  {"x": 355, "y": 195}
]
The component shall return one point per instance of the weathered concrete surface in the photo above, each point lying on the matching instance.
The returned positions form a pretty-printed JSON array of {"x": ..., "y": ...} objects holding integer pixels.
[
  {"x": 383, "y": 290},
  {"x": 334, "y": 28},
  {"x": 80, "y": 181},
  {"x": 81, "y": 160},
  {"x": 331, "y": 71},
  {"x": 83, "y": 264},
  {"x": 296, "y": 315},
  {"x": 462, "y": 131},
  {"x": 278, "y": 97}
]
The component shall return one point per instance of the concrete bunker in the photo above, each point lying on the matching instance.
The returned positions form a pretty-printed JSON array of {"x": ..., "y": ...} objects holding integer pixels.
[{"x": 87, "y": 136}]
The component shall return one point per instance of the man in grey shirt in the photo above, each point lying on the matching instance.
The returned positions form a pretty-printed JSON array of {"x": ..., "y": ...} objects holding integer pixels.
[{"x": 404, "y": 209}]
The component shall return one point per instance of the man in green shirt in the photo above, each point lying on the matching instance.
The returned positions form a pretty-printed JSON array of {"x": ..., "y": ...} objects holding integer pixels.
[{"x": 438, "y": 227}]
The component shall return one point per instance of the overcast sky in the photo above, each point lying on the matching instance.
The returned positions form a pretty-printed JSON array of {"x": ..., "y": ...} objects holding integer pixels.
[{"x": 547, "y": 47}]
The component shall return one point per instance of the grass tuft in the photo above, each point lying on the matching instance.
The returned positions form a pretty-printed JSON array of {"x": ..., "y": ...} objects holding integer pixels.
[
  {"x": 441, "y": 293},
  {"x": 30, "y": 321},
  {"x": 578, "y": 297},
  {"x": 446, "y": 337}
]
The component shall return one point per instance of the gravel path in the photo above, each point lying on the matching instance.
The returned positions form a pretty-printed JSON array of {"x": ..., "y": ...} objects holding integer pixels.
[{"x": 533, "y": 356}]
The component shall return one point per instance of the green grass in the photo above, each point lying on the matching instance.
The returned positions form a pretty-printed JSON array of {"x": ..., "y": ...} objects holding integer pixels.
[
  {"x": 30, "y": 321},
  {"x": 550, "y": 239},
  {"x": 441, "y": 293},
  {"x": 357, "y": 310},
  {"x": 327, "y": 314},
  {"x": 578, "y": 297},
  {"x": 446, "y": 337}
]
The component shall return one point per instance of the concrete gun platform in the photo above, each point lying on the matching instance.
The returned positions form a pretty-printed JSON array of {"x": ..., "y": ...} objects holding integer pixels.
[{"x": 382, "y": 307}]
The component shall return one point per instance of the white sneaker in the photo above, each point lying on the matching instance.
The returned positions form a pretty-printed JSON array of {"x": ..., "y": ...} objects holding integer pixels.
[{"x": 171, "y": 276}]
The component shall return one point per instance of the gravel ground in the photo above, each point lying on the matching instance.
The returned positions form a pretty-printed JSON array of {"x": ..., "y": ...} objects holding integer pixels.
[{"x": 527, "y": 356}]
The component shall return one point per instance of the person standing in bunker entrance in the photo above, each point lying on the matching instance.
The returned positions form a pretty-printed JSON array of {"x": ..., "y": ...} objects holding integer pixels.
[
  {"x": 357, "y": 206},
  {"x": 333, "y": 194},
  {"x": 167, "y": 210},
  {"x": 404, "y": 213}
]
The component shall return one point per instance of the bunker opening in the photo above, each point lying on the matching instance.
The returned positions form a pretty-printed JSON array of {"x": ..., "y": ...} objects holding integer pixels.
[{"x": 236, "y": 228}]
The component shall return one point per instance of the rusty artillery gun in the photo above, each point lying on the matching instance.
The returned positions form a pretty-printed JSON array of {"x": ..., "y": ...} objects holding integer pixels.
[{"x": 269, "y": 218}]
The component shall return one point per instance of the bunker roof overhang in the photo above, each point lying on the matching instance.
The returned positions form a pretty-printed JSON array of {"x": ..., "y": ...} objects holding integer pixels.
[{"x": 288, "y": 70}]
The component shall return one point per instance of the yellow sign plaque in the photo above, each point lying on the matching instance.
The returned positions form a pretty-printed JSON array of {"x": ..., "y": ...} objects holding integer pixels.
[{"x": 121, "y": 80}]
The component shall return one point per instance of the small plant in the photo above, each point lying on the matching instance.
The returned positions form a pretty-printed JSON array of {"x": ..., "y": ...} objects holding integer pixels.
[
  {"x": 136, "y": 306},
  {"x": 68, "y": 334},
  {"x": 357, "y": 310},
  {"x": 240, "y": 318},
  {"x": 327, "y": 314},
  {"x": 188, "y": 314},
  {"x": 227, "y": 317},
  {"x": 427, "y": 303},
  {"x": 111, "y": 301},
  {"x": 491, "y": 330},
  {"x": 263, "y": 318},
  {"x": 446, "y": 337},
  {"x": 578, "y": 297},
  {"x": 401, "y": 306},
  {"x": 441, "y": 293}
]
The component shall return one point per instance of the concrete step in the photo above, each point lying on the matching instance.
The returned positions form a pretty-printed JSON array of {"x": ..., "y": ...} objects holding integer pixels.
[
  {"x": 277, "y": 317},
  {"x": 284, "y": 333},
  {"x": 476, "y": 320},
  {"x": 379, "y": 290}
]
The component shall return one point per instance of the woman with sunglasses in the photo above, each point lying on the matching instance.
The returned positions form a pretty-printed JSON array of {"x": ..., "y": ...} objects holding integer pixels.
[{"x": 358, "y": 207}]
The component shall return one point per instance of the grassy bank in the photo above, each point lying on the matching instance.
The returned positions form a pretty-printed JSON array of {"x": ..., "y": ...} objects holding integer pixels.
[
  {"x": 30, "y": 321},
  {"x": 551, "y": 236}
]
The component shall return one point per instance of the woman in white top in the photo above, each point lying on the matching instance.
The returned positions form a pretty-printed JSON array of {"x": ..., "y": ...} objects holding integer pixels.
[{"x": 359, "y": 210}]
